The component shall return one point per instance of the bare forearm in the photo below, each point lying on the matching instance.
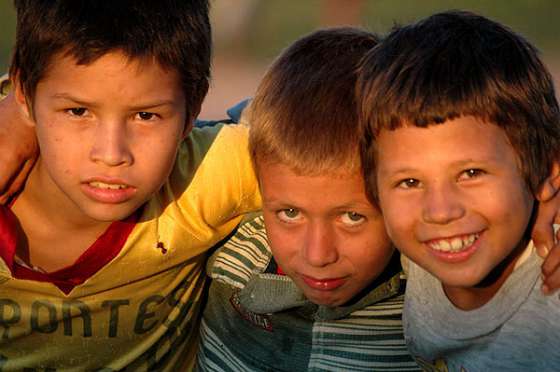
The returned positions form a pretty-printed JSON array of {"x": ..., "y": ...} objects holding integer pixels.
[{"x": 18, "y": 147}]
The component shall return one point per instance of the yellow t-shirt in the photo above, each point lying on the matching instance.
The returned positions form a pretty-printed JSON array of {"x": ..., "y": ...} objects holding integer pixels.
[{"x": 141, "y": 311}]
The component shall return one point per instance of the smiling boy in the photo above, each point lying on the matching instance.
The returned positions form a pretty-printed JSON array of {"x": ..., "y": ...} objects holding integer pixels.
[
  {"x": 102, "y": 252},
  {"x": 462, "y": 123}
]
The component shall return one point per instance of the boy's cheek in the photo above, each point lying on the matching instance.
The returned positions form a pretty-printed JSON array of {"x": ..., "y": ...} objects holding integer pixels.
[
  {"x": 399, "y": 228},
  {"x": 394, "y": 215}
]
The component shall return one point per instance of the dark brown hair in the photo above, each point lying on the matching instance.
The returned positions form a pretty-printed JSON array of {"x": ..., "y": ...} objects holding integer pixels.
[
  {"x": 457, "y": 64},
  {"x": 304, "y": 114},
  {"x": 176, "y": 33}
]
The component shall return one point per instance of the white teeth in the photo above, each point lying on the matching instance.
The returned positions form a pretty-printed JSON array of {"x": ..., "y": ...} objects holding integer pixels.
[
  {"x": 468, "y": 240},
  {"x": 454, "y": 244},
  {"x": 110, "y": 186},
  {"x": 444, "y": 245}
]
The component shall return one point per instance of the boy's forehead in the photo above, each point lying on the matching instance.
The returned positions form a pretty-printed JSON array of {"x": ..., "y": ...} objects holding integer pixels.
[
  {"x": 291, "y": 169},
  {"x": 461, "y": 141},
  {"x": 118, "y": 58},
  {"x": 113, "y": 72},
  {"x": 281, "y": 185}
]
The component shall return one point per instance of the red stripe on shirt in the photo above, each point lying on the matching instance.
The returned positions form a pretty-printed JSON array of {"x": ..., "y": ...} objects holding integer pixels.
[{"x": 99, "y": 254}]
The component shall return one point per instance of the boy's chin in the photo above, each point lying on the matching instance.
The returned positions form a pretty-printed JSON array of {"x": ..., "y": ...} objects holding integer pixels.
[
  {"x": 111, "y": 213},
  {"x": 327, "y": 303},
  {"x": 455, "y": 281},
  {"x": 329, "y": 299}
]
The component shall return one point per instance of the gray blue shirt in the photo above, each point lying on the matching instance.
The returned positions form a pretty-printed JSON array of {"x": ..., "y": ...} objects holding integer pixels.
[{"x": 517, "y": 330}]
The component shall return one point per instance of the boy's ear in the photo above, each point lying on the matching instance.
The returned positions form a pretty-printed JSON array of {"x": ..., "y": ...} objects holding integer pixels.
[
  {"x": 551, "y": 185},
  {"x": 21, "y": 101}
]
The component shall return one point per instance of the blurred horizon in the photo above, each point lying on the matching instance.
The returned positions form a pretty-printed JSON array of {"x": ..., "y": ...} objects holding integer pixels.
[{"x": 249, "y": 34}]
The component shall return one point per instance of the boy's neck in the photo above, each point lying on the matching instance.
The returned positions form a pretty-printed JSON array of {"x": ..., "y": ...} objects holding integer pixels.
[
  {"x": 52, "y": 236},
  {"x": 470, "y": 298}
]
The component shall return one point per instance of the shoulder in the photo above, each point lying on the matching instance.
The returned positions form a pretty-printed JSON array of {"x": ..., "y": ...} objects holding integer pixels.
[
  {"x": 202, "y": 139},
  {"x": 247, "y": 252},
  {"x": 221, "y": 151}
]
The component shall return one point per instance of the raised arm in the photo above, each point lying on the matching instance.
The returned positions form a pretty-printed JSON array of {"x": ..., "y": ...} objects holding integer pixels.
[
  {"x": 18, "y": 148},
  {"x": 546, "y": 242}
]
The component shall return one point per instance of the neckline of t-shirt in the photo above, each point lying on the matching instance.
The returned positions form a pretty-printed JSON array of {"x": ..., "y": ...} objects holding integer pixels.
[
  {"x": 106, "y": 247},
  {"x": 454, "y": 323}
]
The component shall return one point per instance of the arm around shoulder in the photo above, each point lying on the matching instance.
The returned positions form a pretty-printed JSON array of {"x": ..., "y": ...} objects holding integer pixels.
[{"x": 18, "y": 147}]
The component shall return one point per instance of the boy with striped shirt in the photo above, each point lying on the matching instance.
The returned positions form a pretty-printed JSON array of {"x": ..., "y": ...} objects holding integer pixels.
[{"x": 321, "y": 288}]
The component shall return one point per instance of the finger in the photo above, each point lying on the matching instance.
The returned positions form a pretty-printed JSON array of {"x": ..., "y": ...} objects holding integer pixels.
[
  {"x": 543, "y": 237},
  {"x": 19, "y": 181},
  {"x": 551, "y": 283},
  {"x": 13, "y": 175},
  {"x": 552, "y": 263},
  {"x": 7, "y": 177}
]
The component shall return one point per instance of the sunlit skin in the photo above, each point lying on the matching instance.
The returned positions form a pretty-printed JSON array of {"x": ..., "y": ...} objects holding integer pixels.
[
  {"x": 323, "y": 232},
  {"x": 108, "y": 134},
  {"x": 455, "y": 183}
]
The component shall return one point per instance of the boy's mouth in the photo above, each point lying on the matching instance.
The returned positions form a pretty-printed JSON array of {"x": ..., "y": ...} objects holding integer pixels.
[
  {"x": 108, "y": 191},
  {"x": 107, "y": 186},
  {"x": 323, "y": 284},
  {"x": 455, "y": 244}
]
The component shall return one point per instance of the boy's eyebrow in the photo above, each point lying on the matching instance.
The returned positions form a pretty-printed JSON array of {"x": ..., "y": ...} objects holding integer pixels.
[
  {"x": 69, "y": 97},
  {"x": 280, "y": 203},
  {"x": 150, "y": 105},
  {"x": 158, "y": 103},
  {"x": 397, "y": 170}
]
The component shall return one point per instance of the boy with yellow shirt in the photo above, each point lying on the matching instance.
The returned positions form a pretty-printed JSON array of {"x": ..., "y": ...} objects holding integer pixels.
[{"x": 103, "y": 250}]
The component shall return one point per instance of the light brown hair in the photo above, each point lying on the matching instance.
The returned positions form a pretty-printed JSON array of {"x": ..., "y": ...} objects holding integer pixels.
[{"x": 304, "y": 114}]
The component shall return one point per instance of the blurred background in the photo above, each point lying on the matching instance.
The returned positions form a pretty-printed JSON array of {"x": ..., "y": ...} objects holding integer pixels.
[{"x": 248, "y": 34}]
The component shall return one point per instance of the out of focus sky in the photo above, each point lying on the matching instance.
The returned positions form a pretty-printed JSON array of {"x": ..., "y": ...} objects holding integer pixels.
[{"x": 248, "y": 34}]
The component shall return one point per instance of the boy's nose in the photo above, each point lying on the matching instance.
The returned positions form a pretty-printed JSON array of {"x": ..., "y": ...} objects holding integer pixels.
[
  {"x": 320, "y": 245},
  {"x": 442, "y": 204},
  {"x": 111, "y": 144}
]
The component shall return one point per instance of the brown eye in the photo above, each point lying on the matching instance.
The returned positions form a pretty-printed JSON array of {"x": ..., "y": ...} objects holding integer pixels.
[
  {"x": 409, "y": 183},
  {"x": 146, "y": 115},
  {"x": 77, "y": 111},
  {"x": 471, "y": 173}
]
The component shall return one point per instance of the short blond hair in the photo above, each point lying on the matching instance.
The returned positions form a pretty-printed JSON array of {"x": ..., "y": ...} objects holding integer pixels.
[{"x": 304, "y": 114}]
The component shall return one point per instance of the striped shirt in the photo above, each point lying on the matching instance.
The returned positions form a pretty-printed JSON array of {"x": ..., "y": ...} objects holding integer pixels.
[{"x": 257, "y": 320}]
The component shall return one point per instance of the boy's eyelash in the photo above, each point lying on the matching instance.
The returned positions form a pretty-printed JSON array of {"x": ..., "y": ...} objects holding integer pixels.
[
  {"x": 473, "y": 172},
  {"x": 407, "y": 183},
  {"x": 76, "y": 111},
  {"x": 354, "y": 219},
  {"x": 150, "y": 115},
  {"x": 288, "y": 215}
]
